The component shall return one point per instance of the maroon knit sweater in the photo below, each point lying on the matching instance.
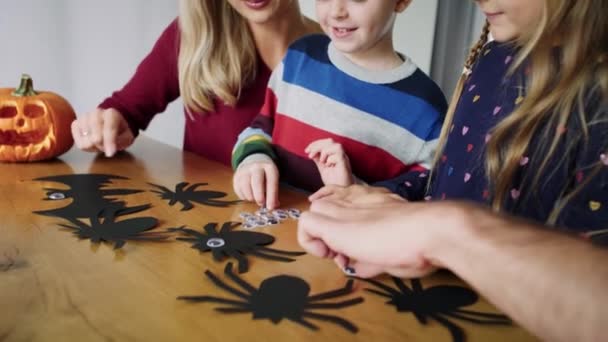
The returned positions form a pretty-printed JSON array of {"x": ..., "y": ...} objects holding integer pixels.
[{"x": 155, "y": 84}]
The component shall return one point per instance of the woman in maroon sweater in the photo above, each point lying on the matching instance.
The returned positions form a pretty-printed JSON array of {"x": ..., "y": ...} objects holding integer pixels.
[{"x": 217, "y": 56}]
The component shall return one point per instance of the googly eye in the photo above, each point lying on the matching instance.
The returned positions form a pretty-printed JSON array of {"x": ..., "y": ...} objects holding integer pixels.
[
  {"x": 244, "y": 215},
  {"x": 57, "y": 196},
  {"x": 281, "y": 216},
  {"x": 294, "y": 213},
  {"x": 272, "y": 221},
  {"x": 215, "y": 243},
  {"x": 249, "y": 225}
]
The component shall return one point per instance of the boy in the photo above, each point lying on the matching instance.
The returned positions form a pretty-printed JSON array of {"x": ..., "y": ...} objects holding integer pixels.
[{"x": 340, "y": 107}]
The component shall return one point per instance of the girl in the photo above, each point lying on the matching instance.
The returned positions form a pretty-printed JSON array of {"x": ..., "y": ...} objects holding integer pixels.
[
  {"x": 217, "y": 56},
  {"x": 525, "y": 137}
]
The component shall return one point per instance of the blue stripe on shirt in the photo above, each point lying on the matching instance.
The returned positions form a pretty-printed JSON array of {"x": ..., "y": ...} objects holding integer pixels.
[{"x": 389, "y": 102}]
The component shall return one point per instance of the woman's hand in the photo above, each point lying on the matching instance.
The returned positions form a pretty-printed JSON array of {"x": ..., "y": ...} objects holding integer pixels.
[{"x": 103, "y": 130}]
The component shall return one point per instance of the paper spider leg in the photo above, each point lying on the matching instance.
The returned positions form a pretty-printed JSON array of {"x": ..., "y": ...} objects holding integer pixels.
[
  {"x": 478, "y": 320},
  {"x": 240, "y": 281},
  {"x": 404, "y": 289},
  {"x": 187, "y": 240},
  {"x": 481, "y": 314},
  {"x": 220, "y": 204},
  {"x": 245, "y": 309},
  {"x": 187, "y": 231},
  {"x": 133, "y": 210},
  {"x": 278, "y": 251},
  {"x": 162, "y": 189},
  {"x": 455, "y": 331},
  {"x": 347, "y": 289},
  {"x": 270, "y": 256},
  {"x": 195, "y": 185},
  {"x": 384, "y": 287},
  {"x": 211, "y": 299},
  {"x": 337, "y": 305},
  {"x": 416, "y": 285},
  {"x": 226, "y": 227},
  {"x": 119, "y": 243},
  {"x": 180, "y": 187},
  {"x": 185, "y": 205},
  {"x": 242, "y": 261},
  {"x": 304, "y": 322},
  {"x": 379, "y": 293},
  {"x": 333, "y": 319},
  {"x": 225, "y": 286}
]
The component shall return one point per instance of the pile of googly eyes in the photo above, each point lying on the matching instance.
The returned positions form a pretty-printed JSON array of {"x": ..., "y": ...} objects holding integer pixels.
[{"x": 265, "y": 217}]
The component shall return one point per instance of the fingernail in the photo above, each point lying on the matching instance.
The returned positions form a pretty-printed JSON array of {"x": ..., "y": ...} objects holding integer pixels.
[{"x": 349, "y": 271}]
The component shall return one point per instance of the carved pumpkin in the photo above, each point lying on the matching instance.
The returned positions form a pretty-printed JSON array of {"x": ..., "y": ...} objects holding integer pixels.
[{"x": 33, "y": 125}]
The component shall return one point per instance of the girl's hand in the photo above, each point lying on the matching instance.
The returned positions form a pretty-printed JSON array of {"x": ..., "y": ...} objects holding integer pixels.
[
  {"x": 103, "y": 130},
  {"x": 332, "y": 162}
]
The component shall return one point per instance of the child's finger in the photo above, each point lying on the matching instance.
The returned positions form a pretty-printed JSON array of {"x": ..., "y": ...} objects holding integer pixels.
[
  {"x": 258, "y": 186},
  {"x": 245, "y": 186},
  {"x": 272, "y": 187}
]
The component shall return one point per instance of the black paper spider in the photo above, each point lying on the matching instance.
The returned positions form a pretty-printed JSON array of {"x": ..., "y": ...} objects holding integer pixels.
[
  {"x": 234, "y": 243},
  {"x": 88, "y": 196},
  {"x": 279, "y": 297},
  {"x": 185, "y": 195},
  {"x": 437, "y": 302},
  {"x": 117, "y": 232}
]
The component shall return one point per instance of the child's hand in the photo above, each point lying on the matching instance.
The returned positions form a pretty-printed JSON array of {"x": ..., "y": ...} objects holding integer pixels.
[
  {"x": 258, "y": 181},
  {"x": 332, "y": 162}
]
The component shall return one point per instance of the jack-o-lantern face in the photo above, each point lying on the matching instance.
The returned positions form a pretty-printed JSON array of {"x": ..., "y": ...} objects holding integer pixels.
[{"x": 33, "y": 125}]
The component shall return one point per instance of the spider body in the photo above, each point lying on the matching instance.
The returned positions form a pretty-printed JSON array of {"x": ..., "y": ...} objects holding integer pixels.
[
  {"x": 277, "y": 298},
  {"x": 185, "y": 195},
  {"x": 111, "y": 231},
  {"x": 440, "y": 303},
  {"x": 234, "y": 243}
]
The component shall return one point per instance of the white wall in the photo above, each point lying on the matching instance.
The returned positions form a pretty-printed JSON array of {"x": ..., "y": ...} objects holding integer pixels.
[{"x": 85, "y": 49}]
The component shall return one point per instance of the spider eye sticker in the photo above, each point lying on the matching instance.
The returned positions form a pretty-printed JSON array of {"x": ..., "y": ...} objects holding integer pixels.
[
  {"x": 186, "y": 194},
  {"x": 278, "y": 298},
  {"x": 265, "y": 217},
  {"x": 231, "y": 243},
  {"x": 215, "y": 243},
  {"x": 56, "y": 196},
  {"x": 442, "y": 303}
]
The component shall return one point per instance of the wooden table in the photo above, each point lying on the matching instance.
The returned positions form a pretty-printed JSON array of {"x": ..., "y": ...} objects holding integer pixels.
[{"x": 55, "y": 287}]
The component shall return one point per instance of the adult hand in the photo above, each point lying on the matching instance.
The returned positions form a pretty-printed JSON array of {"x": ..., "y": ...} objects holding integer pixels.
[
  {"x": 380, "y": 234},
  {"x": 355, "y": 194},
  {"x": 332, "y": 162},
  {"x": 103, "y": 130},
  {"x": 258, "y": 182}
]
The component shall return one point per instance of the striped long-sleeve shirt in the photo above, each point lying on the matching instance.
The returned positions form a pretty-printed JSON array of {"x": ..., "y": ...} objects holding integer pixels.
[{"x": 388, "y": 121}]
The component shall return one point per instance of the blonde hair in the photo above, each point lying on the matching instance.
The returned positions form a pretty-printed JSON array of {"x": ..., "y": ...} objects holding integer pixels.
[
  {"x": 560, "y": 85},
  {"x": 217, "y": 55}
]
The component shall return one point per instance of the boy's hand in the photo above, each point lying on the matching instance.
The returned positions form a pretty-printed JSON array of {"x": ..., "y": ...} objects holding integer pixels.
[
  {"x": 332, "y": 162},
  {"x": 257, "y": 181}
]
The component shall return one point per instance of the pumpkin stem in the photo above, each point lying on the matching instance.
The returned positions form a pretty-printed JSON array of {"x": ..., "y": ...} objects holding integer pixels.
[{"x": 26, "y": 87}]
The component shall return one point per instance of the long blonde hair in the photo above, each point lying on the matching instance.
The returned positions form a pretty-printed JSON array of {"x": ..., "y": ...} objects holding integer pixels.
[
  {"x": 217, "y": 55},
  {"x": 558, "y": 87}
]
